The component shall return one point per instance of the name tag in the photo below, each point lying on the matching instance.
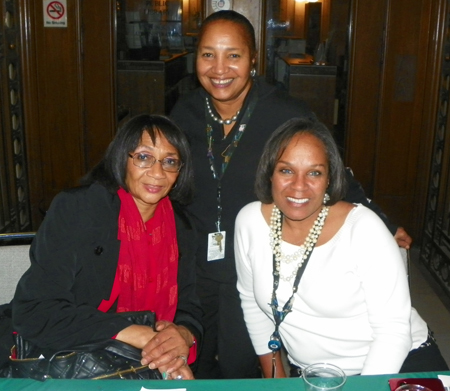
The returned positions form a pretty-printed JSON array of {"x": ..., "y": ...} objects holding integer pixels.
[{"x": 216, "y": 246}]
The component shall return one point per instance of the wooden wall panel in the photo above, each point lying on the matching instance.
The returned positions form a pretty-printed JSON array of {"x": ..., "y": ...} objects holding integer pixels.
[
  {"x": 98, "y": 80},
  {"x": 435, "y": 248},
  {"x": 68, "y": 78},
  {"x": 53, "y": 112},
  {"x": 436, "y": 83},
  {"x": 31, "y": 110},
  {"x": 389, "y": 84},
  {"x": 367, "y": 26},
  {"x": 400, "y": 127},
  {"x": 60, "y": 110}
]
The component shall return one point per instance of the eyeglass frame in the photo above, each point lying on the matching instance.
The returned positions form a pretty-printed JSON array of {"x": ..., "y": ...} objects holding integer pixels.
[{"x": 132, "y": 156}]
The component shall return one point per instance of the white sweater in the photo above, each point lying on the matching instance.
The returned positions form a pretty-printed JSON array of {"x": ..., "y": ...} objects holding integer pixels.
[{"x": 352, "y": 308}]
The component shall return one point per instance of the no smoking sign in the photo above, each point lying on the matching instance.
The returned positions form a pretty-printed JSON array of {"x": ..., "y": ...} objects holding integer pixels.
[{"x": 55, "y": 13}]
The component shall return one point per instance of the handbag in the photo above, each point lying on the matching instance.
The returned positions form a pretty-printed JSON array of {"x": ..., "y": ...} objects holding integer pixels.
[{"x": 110, "y": 359}]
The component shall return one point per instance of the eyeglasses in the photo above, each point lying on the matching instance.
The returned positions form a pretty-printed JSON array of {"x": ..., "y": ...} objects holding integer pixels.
[{"x": 145, "y": 160}]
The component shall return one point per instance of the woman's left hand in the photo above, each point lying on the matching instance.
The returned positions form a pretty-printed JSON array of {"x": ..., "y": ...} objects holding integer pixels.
[
  {"x": 402, "y": 238},
  {"x": 168, "y": 349}
]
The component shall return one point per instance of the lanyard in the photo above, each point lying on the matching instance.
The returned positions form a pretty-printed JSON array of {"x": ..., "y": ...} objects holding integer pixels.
[
  {"x": 278, "y": 316},
  {"x": 228, "y": 152}
]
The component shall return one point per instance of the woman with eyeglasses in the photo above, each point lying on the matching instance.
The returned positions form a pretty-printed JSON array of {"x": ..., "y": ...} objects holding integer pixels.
[{"x": 119, "y": 243}]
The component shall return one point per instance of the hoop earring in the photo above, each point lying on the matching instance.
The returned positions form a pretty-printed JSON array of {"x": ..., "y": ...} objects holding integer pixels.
[
  {"x": 326, "y": 198},
  {"x": 253, "y": 72}
]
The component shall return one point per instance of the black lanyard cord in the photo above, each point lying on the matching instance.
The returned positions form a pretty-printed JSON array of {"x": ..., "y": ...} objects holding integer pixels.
[
  {"x": 228, "y": 152},
  {"x": 278, "y": 316}
]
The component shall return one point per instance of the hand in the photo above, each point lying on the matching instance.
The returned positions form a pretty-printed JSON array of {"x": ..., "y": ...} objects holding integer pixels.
[
  {"x": 183, "y": 373},
  {"x": 136, "y": 335},
  {"x": 402, "y": 238},
  {"x": 168, "y": 349}
]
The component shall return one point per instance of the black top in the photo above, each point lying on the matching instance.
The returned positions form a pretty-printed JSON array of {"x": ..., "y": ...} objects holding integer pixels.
[
  {"x": 73, "y": 264},
  {"x": 273, "y": 108}
]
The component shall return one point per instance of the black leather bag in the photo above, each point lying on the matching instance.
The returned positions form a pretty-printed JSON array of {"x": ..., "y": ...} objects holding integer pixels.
[{"x": 109, "y": 359}]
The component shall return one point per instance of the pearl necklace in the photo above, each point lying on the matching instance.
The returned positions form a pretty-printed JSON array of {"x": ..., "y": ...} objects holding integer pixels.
[
  {"x": 220, "y": 120},
  {"x": 304, "y": 250}
]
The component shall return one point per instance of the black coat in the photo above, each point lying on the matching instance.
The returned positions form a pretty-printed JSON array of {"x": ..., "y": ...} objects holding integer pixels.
[{"x": 73, "y": 264}]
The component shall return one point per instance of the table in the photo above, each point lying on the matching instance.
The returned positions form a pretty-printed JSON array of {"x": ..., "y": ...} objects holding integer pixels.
[{"x": 354, "y": 383}]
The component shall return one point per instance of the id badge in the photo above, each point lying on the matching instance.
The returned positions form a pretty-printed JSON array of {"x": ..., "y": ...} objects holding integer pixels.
[{"x": 216, "y": 246}]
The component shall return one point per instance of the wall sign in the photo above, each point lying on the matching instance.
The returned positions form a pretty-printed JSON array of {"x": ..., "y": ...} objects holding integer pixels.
[
  {"x": 220, "y": 5},
  {"x": 55, "y": 13}
]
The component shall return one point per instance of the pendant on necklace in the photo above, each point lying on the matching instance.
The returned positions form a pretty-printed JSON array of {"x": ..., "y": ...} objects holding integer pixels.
[{"x": 275, "y": 342}]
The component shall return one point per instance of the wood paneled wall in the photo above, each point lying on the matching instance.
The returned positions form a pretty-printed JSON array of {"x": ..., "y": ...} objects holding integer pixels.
[
  {"x": 435, "y": 247},
  {"x": 69, "y": 95},
  {"x": 388, "y": 131}
]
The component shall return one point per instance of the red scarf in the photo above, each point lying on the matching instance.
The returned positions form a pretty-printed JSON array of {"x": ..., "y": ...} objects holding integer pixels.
[{"x": 148, "y": 260}]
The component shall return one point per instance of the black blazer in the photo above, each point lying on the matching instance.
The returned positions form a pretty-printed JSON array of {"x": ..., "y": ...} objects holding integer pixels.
[{"x": 73, "y": 264}]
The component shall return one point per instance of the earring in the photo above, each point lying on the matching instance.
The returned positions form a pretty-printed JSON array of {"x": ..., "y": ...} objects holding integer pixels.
[
  {"x": 253, "y": 72},
  {"x": 326, "y": 198}
]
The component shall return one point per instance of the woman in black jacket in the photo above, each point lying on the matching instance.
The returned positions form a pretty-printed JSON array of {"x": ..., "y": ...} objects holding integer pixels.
[{"x": 119, "y": 243}]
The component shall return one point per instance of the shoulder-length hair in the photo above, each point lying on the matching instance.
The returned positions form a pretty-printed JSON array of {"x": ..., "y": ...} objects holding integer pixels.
[
  {"x": 278, "y": 142},
  {"x": 112, "y": 169}
]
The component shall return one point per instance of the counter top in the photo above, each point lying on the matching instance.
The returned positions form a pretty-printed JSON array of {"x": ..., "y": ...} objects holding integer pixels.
[
  {"x": 306, "y": 59},
  {"x": 146, "y": 65},
  {"x": 304, "y": 66}
]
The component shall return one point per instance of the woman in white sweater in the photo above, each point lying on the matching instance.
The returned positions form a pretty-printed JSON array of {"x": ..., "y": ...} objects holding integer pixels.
[{"x": 352, "y": 305}]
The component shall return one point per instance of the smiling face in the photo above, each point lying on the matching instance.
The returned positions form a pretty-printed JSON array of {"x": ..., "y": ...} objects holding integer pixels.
[
  {"x": 149, "y": 185},
  {"x": 224, "y": 62},
  {"x": 300, "y": 178}
]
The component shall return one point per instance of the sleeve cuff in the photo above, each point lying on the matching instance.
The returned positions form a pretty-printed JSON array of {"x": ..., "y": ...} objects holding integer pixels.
[{"x": 192, "y": 353}]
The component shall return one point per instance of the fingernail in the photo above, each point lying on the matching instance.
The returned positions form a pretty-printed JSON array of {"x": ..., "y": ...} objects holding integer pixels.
[
  {"x": 152, "y": 366},
  {"x": 165, "y": 376}
]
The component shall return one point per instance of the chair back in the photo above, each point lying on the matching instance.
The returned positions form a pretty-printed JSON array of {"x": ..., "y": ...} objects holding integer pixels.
[
  {"x": 14, "y": 261},
  {"x": 406, "y": 260}
]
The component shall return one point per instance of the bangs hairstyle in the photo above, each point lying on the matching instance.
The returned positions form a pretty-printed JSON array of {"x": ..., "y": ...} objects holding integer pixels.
[
  {"x": 112, "y": 169},
  {"x": 278, "y": 142},
  {"x": 235, "y": 17}
]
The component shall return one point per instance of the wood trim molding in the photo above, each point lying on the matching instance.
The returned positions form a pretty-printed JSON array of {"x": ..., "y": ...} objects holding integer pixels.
[{"x": 27, "y": 12}]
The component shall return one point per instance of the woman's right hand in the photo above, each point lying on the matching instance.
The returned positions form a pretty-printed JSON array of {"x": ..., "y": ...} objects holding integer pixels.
[
  {"x": 168, "y": 353},
  {"x": 169, "y": 350}
]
